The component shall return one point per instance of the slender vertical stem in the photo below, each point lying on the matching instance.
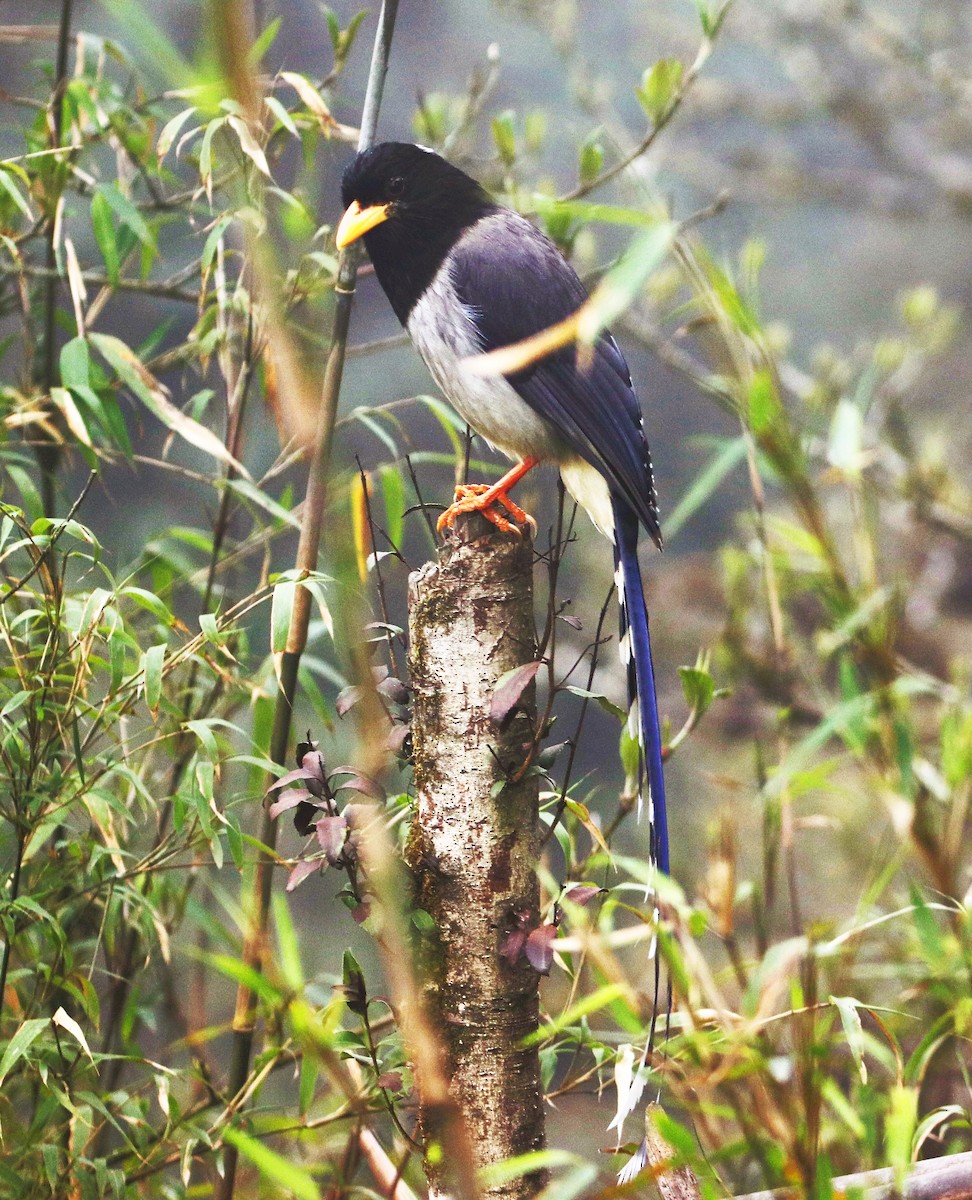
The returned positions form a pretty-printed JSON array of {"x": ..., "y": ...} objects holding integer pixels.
[
  {"x": 306, "y": 561},
  {"x": 48, "y": 454},
  {"x": 14, "y": 895}
]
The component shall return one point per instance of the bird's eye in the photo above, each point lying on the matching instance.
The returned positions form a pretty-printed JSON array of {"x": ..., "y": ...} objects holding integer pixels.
[{"x": 396, "y": 185}]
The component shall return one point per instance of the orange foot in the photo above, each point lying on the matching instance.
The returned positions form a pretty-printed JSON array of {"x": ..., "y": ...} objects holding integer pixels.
[{"x": 480, "y": 497}]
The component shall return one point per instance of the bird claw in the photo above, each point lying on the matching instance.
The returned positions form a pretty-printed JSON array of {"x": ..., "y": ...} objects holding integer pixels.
[{"x": 481, "y": 497}]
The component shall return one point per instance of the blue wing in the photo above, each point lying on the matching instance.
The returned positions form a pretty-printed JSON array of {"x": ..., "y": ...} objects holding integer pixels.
[{"x": 515, "y": 282}]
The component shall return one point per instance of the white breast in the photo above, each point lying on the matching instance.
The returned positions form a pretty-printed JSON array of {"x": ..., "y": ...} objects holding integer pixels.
[{"x": 490, "y": 406}]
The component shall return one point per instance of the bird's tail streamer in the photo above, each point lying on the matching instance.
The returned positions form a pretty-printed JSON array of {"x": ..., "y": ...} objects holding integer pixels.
[{"x": 643, "y": 704}]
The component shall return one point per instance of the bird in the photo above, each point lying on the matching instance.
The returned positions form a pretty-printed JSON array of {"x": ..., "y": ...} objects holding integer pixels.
[{"x": 466, "y": 276}]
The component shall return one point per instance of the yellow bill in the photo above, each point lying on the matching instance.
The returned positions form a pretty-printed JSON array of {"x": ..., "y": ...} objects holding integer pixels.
[{"x": 357, "y": 221}]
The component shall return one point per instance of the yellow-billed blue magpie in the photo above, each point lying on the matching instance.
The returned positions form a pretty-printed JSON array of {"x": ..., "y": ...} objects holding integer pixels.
[{"x": 466, "y": 276}]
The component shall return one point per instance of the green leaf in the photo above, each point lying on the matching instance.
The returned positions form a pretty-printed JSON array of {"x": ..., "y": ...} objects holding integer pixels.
[
  {"x": 105, "y": 236},
  {"x": 850, "y": 1019},
  {"x": 289, "y": 960},
  {"x": 249, "y": 145},
  {"x": 504, "y": 136},
  {"x": 20, "y": 1043},
  {"x": 75, "y": 364},
  {"x": 256, "y": 495},
  {"x": 264, "y": 41},
  {"x": 603, "y": 702},
  {"x": 699, "y": 688},
  {"x": 594, "y": 1002},
  {"x": 281, "y": 608},
  {"x": 282, "y": 115},
  {"x": 591, "y": 160},
  {"x": 721, "y": 465},
  {"x": 8, "y": 186},
  {"x": 152, "y": 662},
  {"x": 272, "y": 1166},
  {"x": 621, "y": 286},
  {"x": 309, "y": 1071},
  {"x": 150, "y": 601},
  {"x": 171, "y": 130},
  {"x": 143, "y": 384},
  {"x": 393, "y": 493},
  {"x": 126, "y": 212},
  {"x": 764, "y": 403},
  {"x": 659, "y": 89},
  {"x": 899, "y": 1130},
  {"x": 206, "y": 737},
  {"x": 495, "y": 1175}
]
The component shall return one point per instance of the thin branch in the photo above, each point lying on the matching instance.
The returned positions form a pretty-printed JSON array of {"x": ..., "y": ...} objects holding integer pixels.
[
  {"x": 49, "y": 455},
  {"x": 306, "y": 562}
]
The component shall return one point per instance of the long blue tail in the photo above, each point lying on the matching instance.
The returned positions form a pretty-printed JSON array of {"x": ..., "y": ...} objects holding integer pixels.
[{"x": 636, "y": 650}]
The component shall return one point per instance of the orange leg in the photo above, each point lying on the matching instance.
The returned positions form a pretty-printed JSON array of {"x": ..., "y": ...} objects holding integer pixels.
[{"x": 480, "y": 497}]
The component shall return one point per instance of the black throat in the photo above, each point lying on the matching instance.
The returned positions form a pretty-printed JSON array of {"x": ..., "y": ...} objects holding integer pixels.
[{"x": 408, "y": 249}]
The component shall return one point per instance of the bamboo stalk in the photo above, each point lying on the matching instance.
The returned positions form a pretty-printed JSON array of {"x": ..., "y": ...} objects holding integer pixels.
[{"x": 306, "y": 562}]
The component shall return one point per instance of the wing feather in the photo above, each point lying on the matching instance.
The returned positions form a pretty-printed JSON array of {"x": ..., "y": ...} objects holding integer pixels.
[{"x": 515, "y": 282}]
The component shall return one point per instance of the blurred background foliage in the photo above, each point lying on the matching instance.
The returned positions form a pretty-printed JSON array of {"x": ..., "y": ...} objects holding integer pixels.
[{"x": 167, "y": 280}]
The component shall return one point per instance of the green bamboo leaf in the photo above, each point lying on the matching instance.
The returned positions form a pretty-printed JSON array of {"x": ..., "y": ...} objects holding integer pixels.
[
  {"x": 618, "y": 289},
  {"x": 393, "y": 493},
  {"x": 9, "y": 187},
  {"x": 899, "y": 1130},
  {"x": 126, "y": 212},
  {"x": 170, "y": 131},
  {"x": 504, "y": 136},
  {"x": 250, "y": 491},
  {"x": 152, "y": 663},
  {"x": 284, "y": 117},
  {"x": 105, "y": 236},
  {"x": 597, "y": 1000},
  {"x": 706, "y": 483},
  {"x": 591, "y": 160},
  {"x": 281, "y": 608},
  {"x": 140, "y": 381},
  {"x": 75, "y": 362},
  {"x": 20, "y": 1043},
  {"x": 850, "y": 1018},
  {"x": 272, "y": 1166},
  {"x": 287, "y": 944},
  {"x": 249, "y": 145}
]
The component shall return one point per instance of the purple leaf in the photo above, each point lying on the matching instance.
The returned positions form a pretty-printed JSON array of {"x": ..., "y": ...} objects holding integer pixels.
[
  {"x": 513, "y": 946},
  {"x": 313, "y": 761},
  {"x": 361, "y": 913},
  {"x": 290, "y": 777},
  {"x": 347, "y": 699},
  {"x": 396, "y": 739},
  {"x": 305, "y": 868},
  {"x": 509, "y": 690},
  {"x": 539, "y": 948},
  {"x": 582, "y": 893},
  {"x": 359, "y": 783},
  {"x": 391, "y": 1081},
  {"x": 331, "y": 832},
  {"x": 287, "y": 800},
  {"x": 394, "y": 690}
]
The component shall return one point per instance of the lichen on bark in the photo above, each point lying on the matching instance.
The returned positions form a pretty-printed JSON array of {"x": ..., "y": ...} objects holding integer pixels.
[{"x": 473, "y": 847}]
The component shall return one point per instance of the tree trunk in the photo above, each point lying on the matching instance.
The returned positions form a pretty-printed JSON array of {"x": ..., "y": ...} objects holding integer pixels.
[{"x": 474, "y": 843}]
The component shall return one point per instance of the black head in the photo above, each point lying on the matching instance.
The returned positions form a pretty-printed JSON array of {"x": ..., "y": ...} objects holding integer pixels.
[{"x": 410, "y": 206}]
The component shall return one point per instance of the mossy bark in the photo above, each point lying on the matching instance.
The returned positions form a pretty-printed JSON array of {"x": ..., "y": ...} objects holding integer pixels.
[{"x": 475, "y": 840}]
